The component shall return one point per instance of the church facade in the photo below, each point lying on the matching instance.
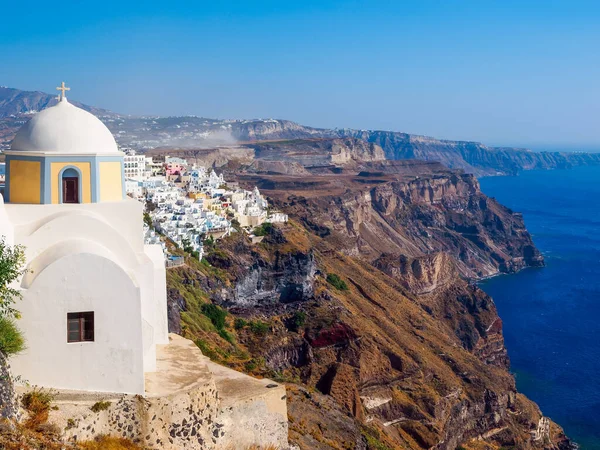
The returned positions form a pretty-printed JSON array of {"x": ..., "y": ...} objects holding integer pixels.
[{"x": 94, "y": 296}]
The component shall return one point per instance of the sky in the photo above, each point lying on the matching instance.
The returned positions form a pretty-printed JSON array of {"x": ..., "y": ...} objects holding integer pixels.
[{"x": 515, "y": 73}]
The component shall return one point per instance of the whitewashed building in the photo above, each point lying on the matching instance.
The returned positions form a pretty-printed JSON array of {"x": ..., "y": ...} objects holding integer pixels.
[
  {"x": 94, "y": 295},
  {"x": 134, "y": 165}
]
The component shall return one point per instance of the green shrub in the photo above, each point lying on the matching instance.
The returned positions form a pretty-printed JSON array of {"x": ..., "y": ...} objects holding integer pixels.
[
  {"x": 263, "y": 230},
  {"x": 102, "y": 405},
  {"x": 259, "y": 328},
  {"x": 298, "y": 320},
  {"x": 215, "y": 314},
  {"x": 239, "y": 323},
  {"x": 11, "y": 339},
  {"x": 337, "y": 282},
  {"x": 225, "y": 335},
  {"x": 12, "y": 260},
  {"x": 206, "y": 350},
  {"x": 373, "y": 437},
  {"x": 148, "y": 219},
  {"x": 209, "y": 243},
  {"x": 205, "y": 263},
  {"x": 251, "y": 365}
]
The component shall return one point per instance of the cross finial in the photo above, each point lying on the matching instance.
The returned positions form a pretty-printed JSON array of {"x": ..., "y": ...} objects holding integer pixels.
[{"x": 63, "y": 89}]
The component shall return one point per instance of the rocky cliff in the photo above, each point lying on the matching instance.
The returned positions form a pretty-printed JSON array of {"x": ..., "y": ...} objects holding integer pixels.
[
  {"x": 319, "y": 152},
  {"x": 370, "y": 214},
  {"x": 472, "y": 157}
]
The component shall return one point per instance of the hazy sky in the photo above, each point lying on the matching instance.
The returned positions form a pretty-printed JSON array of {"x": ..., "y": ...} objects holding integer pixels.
[{"x": 502, "y": 72}]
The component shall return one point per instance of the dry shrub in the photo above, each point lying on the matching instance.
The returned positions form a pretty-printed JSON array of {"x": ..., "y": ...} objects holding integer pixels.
[
  {"x": 109, "y": 443},
  {"x": 37, "y": 404}
]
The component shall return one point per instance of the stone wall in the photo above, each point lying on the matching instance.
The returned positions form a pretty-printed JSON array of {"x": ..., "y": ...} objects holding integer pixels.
[
  {"x": 190, "y": 403},
  {"x": 9, "y": 408}
]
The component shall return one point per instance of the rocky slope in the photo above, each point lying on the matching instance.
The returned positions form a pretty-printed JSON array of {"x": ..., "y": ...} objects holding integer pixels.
[
  {"x": 369, "y": 364},
  {"x": 361, "y": 305}
]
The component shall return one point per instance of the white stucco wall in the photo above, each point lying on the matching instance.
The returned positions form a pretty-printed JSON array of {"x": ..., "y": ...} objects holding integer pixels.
[
  {"x": 125, "y": 217},
  {"x": 78, "y": 283},
  {"x": 159, "y": 304},
  {"x": 110, "y": 232},
  {"x": 6, "y": 227}
]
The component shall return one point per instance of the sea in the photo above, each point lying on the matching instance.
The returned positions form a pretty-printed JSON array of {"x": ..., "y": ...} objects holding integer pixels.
[{"x": 551, "y": 315}]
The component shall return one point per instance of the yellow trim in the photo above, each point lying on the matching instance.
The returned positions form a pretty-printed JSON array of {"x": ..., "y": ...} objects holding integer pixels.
[
  {"x": 111, "y": 181},
  {"x": 25, "y": 179},
  {"x": 86, "y": 180}
]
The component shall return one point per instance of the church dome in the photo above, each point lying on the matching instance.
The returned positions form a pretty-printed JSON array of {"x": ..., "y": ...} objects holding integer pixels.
[{"x": 65, "y": 129}]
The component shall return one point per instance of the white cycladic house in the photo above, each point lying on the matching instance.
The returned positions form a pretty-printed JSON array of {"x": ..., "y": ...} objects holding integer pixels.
[{"x": 94, "y": 295}]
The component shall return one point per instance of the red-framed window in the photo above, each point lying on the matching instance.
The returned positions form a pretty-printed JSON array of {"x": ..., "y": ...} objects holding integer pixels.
[{"x": 80, "y": 326}]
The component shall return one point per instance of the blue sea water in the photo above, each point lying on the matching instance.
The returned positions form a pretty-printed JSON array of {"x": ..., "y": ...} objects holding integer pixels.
[{"x": 551, "y": 315}]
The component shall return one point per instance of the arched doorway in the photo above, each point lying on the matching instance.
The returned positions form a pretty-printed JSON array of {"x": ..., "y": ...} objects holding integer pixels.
[{"x": 70, "y": 186}]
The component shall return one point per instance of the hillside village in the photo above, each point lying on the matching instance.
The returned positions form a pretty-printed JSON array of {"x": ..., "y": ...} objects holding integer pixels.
[{"x": 188, "y": 204}]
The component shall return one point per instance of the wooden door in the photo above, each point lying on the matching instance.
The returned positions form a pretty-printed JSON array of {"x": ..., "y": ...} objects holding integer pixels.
[{"x": 70, "y": 190}]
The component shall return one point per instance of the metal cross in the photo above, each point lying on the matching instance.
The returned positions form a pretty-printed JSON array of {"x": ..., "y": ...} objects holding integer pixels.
[{"x": 63, "y": 89}]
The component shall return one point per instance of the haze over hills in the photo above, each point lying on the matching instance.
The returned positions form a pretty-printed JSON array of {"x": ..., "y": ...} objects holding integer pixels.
[{"x": 191, "y": 132}]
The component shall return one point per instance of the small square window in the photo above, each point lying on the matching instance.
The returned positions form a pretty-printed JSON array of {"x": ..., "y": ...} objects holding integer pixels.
[{"x": 80, "y": 327}]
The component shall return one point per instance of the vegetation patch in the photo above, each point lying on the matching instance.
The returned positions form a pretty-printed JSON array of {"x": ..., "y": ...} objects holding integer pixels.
[
  {"x": 215, "y": 314},
  {"x": 239, "y": 323},
  {"x": 109, "y": 443},
  {"x": 259, "y": 328},
  {"x": 102, "y": 405},
  {"x": 297, "y": 321},
  {"x": 263, "y": 230},
  {"x": 37, "y": 403},
  {"x": 227, "y": 336},
  {"x": 11, "y": 339},
  {"x": 373, "y": 438},
  {"x": 207, "y": 350},
  {"x": 337, "y": 282}
]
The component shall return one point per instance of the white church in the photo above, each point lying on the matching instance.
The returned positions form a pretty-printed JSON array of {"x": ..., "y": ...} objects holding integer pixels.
[{"x": 94, "y": 296}]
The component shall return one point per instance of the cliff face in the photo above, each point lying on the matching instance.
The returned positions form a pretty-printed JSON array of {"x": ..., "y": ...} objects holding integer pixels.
[
  {"x": 319, "y": 152},
  {"x": 368, "y": 216},
  {"x": 472, "y": 157}
]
